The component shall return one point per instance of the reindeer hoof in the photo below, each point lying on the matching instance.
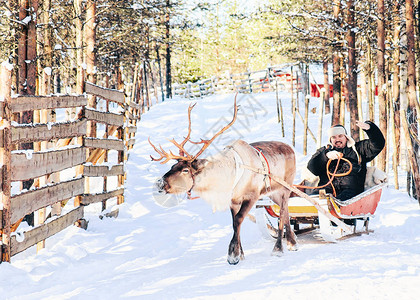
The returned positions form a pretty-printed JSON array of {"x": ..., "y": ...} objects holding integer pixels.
[
  {"x": 233, "y": 260},
  {"x": 291, "y": 247},
  {"x": 277, "y": 251}
]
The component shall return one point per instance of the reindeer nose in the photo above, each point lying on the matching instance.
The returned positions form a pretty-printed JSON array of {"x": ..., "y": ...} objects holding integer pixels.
[{"x": 160, "y": 185}]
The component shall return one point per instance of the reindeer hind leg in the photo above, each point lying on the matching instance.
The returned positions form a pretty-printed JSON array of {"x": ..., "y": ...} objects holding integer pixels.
[
  {"x": 290, "y": 234},
  {"x": 278, "y": 246}
]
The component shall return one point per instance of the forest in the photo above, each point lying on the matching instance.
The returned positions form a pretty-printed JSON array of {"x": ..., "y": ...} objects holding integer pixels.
[{"x": 55, "y": 46}]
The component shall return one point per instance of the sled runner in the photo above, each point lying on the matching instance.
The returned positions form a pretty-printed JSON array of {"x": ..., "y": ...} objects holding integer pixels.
[{"x": 321, "y": 211}]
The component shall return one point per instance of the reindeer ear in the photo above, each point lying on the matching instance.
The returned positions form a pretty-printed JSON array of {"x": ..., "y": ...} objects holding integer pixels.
[{"x": 199, "y": 164}]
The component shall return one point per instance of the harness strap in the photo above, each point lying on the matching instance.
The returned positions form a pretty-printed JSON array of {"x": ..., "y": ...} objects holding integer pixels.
[
  {"x": 239, "y": 171},
  {"x": 266, "y": 167}
]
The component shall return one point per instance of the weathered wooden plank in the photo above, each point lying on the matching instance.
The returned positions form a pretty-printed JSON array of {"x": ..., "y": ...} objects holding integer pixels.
[
  {"x": 135, "y": 105},
  {"x": 132, "y": 116},
  {"x": 107, "y": 94},
  {"x": 46, "y": 230},
  {"x": 132, "y": 129},
  {"x": 101, "y": 171},
  {"x": 105, "y": 117},
  {"x": 109, "y": 144},
  {"x": 31, "y": 201},
  {"x": 95, "y": 198},
  {"x": 5, "y": 91},
  {"x": 25, "y": 103},
  {"x": 44, "y": 132},
  {"x": 131, "y": 142},
  {"x": 43, "y": 163}
]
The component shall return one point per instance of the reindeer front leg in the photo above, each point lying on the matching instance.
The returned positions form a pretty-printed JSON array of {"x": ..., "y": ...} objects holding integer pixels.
[
  {"x": 239, "y": 211},
  {"x": 278, "y": 247}
]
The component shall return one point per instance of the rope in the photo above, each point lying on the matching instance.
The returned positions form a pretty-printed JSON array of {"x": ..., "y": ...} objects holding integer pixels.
[
  {"x": 315, "y": 203},
  {"x": 330, "y": 175},
  {"x": 266, "y": 167}
]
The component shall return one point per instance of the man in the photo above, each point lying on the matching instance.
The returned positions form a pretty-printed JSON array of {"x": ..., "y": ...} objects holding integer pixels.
[{"x": 342, "y": 145}]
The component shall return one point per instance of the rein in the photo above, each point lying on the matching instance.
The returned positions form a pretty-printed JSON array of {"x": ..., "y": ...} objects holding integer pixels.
[
  {"x": 189, "y": 192},
  {"x": 265, "y": 165},
  {"x": 330, "y": 175},
  {"x": 292, "y": 188}
]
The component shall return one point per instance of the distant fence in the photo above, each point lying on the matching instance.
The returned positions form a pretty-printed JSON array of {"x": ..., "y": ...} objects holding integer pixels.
[
  {"x": 91, "y": 145},
  {"x": 247, "y": 82}
]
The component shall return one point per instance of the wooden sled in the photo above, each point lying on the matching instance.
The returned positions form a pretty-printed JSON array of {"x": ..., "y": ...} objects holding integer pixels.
[{"x": 310, "y": 210}]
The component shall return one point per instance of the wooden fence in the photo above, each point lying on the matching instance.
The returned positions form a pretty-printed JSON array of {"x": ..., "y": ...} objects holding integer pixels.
[
  {"x": 248, "y": 82},
  {"x": 66, "y": 157}
]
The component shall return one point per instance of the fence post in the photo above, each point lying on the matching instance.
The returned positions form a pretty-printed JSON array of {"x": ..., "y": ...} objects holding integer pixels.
[
  {"x": 188, "y": 90},
  {"x": 120, "y": 198},
  {"x": 305, "y": 128},
  {"x": 279, "y": 109},
  {"x": 320, "y": 117},
  {"x": 5, "y": 92},
  {"x": 200, "y": 84},
  {"x": 293, "y": 110}
]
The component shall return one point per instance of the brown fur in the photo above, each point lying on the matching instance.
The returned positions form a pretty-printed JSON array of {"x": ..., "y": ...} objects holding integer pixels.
[{"x": 213, "y": 180}]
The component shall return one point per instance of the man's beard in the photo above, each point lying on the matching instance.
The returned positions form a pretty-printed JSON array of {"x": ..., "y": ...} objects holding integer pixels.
[{"x": 339, "y": 145}]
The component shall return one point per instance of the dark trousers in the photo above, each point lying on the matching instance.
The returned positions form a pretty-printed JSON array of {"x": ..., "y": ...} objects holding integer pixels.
[{"x": 346, "y": 194}]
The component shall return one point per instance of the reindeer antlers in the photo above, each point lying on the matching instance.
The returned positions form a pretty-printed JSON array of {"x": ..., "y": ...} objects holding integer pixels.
[
  {"x": 183, "y": 154},
  {"x": 208, "y": 142}
]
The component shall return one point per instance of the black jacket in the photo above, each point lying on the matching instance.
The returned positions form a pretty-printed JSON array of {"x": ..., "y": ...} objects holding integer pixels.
[{"x": 367, "y": 149}]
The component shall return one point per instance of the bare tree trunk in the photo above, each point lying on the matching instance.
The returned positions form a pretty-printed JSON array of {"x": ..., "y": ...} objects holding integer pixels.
[
  {"x": 343, "y": 91},
  {"x": 22, "y": 48},
  {"x": 394, "y": 105},
  {"x": 78, "y": 22},
  {"x": 395, "y": 82},
  {"x": 411, "y": 57},
  {"x": 146, "y": 86},
  {"x": 336, "y": 67},
  {"x": 153, "y": 80},
  {"x": 371, "y": 82},
  {"x": 47, "y": 49},
  {"x": 27, "y": 65},
  {"x": 31, "y": 50},
  {"x": 160, "y": 73},
  {"x": 90, "y": 40},
  {"x": 383, "y": 117},
  {"x": 168, "y": 52},
  {"x": 411, "y": 91},
  {"x": 327, "y": 87},
  {"x": 5, "y": 172},
  {"x": 120, "y": 82},
  {"x": 352, "y": 72},
  {"x": 363, "y": 87}
]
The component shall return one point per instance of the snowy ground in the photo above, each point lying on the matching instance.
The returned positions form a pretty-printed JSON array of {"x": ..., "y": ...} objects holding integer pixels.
[{"x": 151, "y": 252}]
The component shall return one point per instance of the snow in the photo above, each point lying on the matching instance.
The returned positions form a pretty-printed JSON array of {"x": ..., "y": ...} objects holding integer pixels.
[
  {"x": 48, "y": 71},
  {"x": 152, "y": 252},
  {"x": 6, "y": 64}
]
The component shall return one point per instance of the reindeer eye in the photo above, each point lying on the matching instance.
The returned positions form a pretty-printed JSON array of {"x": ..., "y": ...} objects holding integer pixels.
[{"x": 186, "y": 170}]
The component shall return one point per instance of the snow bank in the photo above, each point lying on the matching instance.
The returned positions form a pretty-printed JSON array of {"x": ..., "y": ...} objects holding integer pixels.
[{"x": 150, "y": 252}]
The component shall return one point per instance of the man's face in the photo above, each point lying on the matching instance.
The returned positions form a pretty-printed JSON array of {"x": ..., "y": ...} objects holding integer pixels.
[{"x": 339, "y": 141}]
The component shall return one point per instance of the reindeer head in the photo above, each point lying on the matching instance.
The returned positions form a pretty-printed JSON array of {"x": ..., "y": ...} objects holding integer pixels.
[{"x": 180, "y": 178}]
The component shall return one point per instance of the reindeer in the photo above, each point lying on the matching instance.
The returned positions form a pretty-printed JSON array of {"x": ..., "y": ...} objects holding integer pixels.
[{"x": 226, "y": 180}]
